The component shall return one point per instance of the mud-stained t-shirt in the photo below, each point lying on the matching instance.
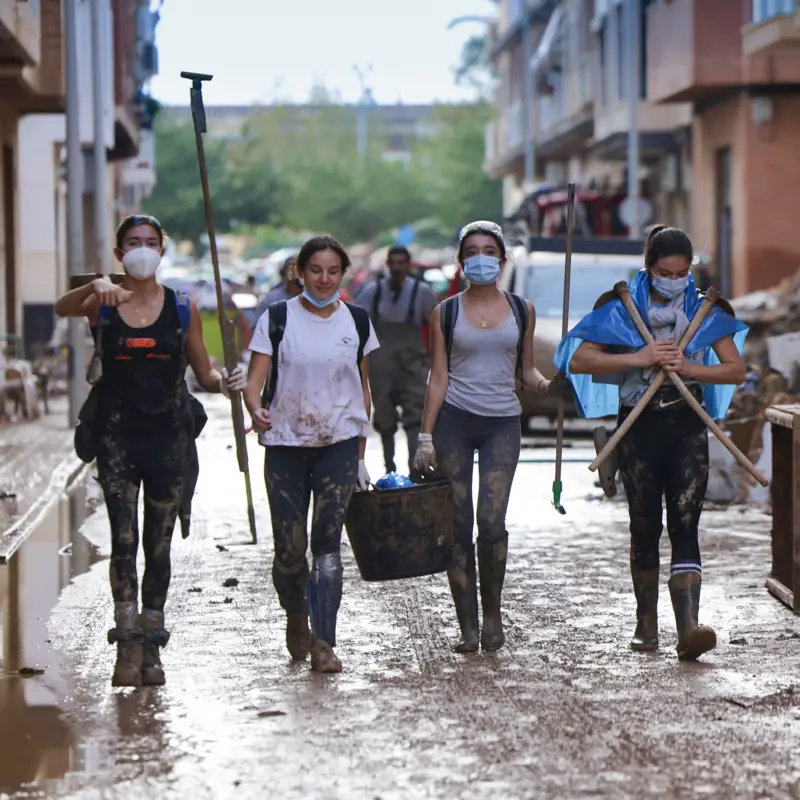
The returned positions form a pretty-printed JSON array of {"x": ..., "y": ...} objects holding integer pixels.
[{"x": 318, "y": 398}]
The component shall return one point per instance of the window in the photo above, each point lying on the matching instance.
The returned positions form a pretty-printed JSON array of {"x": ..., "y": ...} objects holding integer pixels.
[{"x": 766, "y": 9}]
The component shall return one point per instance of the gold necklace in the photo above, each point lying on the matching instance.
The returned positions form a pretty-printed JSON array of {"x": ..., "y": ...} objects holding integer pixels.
[
  {"x": 488, "y": 309},
  {"x": 143, "y": 320}
]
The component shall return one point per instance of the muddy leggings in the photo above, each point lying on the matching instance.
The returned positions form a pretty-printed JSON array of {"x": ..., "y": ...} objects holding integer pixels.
[
  {"x": 292, "y": 474},
  {"x": 126, "y": 461},
  {"x": 458, "y": 434},
  {"x": 665, "y": 453}
]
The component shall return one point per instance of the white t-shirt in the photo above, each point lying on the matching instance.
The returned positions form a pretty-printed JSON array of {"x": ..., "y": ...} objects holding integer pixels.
[{"x": 318, "y": 398}]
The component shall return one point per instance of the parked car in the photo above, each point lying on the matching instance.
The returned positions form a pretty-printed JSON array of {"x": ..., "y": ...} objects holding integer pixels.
[{"x": 539, "y": 277}]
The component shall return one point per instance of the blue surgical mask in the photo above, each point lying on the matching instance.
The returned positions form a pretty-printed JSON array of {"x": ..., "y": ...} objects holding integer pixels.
[
  {"x": 482, "y": 270},
  {"x": 315, "y": 301},
  {"x": 669, "y": 288}
]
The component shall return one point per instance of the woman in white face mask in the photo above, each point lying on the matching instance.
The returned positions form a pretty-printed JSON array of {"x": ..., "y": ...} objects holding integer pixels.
[
  {"x": 146, "y": 334},
  {"x": 481, "y": 342}
]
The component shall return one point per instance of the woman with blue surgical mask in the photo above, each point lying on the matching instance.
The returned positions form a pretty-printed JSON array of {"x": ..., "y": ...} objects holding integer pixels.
[
  {"x": 481, "y": 344},
  {"x": 308, "y": 395},
  {"x": 665, "y": 453}
]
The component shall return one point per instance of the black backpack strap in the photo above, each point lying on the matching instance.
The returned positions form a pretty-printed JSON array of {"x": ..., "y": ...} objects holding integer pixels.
[
  {"x": 412, "y": 304},
  {"x": 520, "y": 310},
  {"x": 447, "y": 317},
  {"x": 277, "y": 327},
  {"x": 361, "y": 320},
  {"x": 376, "y": 301}
]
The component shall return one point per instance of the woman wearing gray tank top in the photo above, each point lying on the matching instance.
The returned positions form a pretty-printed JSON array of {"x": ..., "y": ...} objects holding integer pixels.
[{"x": 481, "y": 341}]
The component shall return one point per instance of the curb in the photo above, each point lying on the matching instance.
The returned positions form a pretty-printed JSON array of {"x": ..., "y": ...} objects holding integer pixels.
[{"x": 64, "y": 477}]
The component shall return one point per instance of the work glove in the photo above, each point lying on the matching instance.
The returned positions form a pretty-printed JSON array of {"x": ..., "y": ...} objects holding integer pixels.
[
  {"x": 235, "y": 382},
  {"x": 425, "y": 457},
  {"x": 363, "y": 479},
  {"x": 560, "y": 387}
]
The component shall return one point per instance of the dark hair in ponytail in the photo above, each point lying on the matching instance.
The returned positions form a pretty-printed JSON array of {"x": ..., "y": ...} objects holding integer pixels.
[{"x": 663, "y": 242}]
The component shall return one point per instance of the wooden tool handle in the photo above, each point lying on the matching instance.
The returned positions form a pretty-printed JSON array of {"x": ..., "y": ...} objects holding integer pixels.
[{"x": 624, "y": 294}]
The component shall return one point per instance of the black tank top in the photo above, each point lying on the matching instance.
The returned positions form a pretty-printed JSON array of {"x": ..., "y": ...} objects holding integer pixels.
[{"x": 144, "y": 368}]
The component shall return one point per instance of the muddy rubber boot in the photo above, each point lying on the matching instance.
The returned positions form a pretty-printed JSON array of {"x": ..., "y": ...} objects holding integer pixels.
[
  {"x": 155, "y": 637},
  {"x": 127, "y": 635},
  {"x": 693, "y": 639},
  {"x": 464, "y": 588},
  {"x": 492, "y": 557},
  {"x": 645, "y": 588},
  {"x": 298, "y": 635},
  {"x": 388, "y": 452},
  {"x": 607, "y": 473},
  {"x": 323, "y": 659}
]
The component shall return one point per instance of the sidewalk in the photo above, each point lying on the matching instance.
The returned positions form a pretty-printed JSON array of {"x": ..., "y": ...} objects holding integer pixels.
[{"x": 37, "y": 460}]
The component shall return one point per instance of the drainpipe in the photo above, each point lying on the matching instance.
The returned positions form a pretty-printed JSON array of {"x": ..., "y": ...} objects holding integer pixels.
[
  {"x": 102, "y": 239},
  {"x": 634, "y": 90},
  {"x": 527, "y": 100},
  {"x": 75, "y": 255}
]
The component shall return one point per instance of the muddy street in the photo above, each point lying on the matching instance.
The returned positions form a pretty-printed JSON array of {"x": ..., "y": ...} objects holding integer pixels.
[{"x": 564, "y": 710}]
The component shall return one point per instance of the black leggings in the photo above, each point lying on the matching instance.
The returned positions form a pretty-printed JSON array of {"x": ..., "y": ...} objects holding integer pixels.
[
  {"x": 456, "y": 437},
  {"x": 292, "y": 474},
  {"x": 155, "y": 460},
  {"x": 665, "y": 453}
]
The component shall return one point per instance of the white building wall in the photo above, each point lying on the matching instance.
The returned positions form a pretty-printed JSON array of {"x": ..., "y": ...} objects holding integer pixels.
[{"x": 42, "y": 195}]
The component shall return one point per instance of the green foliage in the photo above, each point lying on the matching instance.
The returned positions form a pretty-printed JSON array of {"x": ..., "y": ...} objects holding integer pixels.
[{"x": 297, "y": 168}]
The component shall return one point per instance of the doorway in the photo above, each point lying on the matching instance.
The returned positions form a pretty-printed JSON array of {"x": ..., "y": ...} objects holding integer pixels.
[
  {"x": 724, "y": 221},
  {"x": 10, "y": 238}
]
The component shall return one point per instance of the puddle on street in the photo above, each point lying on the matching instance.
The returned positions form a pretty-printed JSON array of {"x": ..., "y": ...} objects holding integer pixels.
[{"x": 35, "y": 743}]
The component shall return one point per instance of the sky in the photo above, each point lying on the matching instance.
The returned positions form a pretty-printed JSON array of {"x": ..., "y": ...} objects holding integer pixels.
[{"x": 263, "y": 51}]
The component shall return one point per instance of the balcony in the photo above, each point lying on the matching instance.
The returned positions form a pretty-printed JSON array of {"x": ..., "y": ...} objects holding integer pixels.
[
  {"x": 504, "y": 140},
  {"x": 510, "y": 33},
  {"x": 775, "y": 29},
  {"x": 19, "y": 32}
]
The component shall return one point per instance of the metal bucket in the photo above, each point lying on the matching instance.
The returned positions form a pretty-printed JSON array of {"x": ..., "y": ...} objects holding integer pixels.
[{"x": 402, "y": 533}]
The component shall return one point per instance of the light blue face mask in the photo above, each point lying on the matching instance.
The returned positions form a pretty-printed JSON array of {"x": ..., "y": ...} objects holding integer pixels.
[
  {"x": 482, "y": 270},
  {"x": 669, "y": 288},
  {"x": 315, "y": 301}
]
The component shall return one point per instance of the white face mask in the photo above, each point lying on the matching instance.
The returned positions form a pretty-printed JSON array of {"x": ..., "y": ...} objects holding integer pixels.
[{"x": 141, "y": 263}]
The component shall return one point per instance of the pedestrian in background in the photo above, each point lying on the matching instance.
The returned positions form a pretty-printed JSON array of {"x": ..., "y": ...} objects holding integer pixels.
[
  {"x": 311, "y": 353},
  {"x": 481, "y": 342},
  {"x": 665, "y": 453},
  {"x": 399, "y": 306},
  {"x": 146, "y": 427},
  {"x": 289, "y": 286}
]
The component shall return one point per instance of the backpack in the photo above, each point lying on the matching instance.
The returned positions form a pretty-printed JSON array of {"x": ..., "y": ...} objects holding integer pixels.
[
  {"x": 449, "y": 314},
  {"x": 277, "y": 327},
  {"x": 86, "y": 432}
]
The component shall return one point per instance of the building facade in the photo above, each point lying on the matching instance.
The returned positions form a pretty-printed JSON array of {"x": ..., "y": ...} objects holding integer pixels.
[
  {"x": 738, "y": 63},
  {"x": 718, "y": 114}
]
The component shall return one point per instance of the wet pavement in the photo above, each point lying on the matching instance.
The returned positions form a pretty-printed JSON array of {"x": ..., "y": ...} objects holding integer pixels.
[{"x": 564, "y": 710}]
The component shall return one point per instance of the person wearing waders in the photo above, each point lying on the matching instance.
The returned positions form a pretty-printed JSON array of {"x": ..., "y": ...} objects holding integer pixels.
[
  {"x": 145, "y": 425},
  {"x": 310, "y": 356},
  {"x": 481, "y": 343},
  {"x": 399, "y": 306},
  {"x": 665, "y": 453}
]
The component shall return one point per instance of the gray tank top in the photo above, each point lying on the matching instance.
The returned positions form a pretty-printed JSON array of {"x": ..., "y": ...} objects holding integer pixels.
[{"x": 483, "y": 363}]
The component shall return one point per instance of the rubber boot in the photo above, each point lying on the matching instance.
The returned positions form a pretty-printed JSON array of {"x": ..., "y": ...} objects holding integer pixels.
[
  {"x": 324, "y": 598},
  {"x": 155, "y": 637},
  {"x": 298, "y": 635},
  {"x": 387, "y": 440},
  {"x": 464, "y": 588},
  {"x": 693, "y": 639},
  {"x": 127, "y": 635},
  {"x": 492, "y": 557},
  {"x": 645, "y": 588}
]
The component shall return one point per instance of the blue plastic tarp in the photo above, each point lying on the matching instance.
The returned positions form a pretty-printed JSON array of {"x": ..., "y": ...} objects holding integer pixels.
[{"x": 611, "y": 325}]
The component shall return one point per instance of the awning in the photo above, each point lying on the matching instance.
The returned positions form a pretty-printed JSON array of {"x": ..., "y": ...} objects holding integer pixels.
[{"x": 551, "y": 33}]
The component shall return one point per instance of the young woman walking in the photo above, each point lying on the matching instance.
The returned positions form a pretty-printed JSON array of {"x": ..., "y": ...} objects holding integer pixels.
[
  {"x": 665, "y": 453},
  {"x": 311, "y": 353},
  {"x": 145, "y": 427},
  {"x": 481, "y": 343}
]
